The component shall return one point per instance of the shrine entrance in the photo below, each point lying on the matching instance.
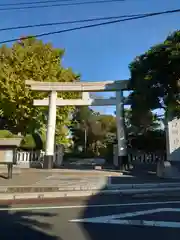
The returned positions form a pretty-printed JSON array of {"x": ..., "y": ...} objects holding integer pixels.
[{"x": 85, "y": 87}]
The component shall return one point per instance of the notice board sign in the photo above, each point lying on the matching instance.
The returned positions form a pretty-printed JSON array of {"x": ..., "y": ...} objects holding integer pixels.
[
  {"x": 173, "y": 140},
  {"x": 6, "y": 156}
]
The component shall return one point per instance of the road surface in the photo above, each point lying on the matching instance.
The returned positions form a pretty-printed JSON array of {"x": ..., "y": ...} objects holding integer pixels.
[{"x": 101, "y": 218}]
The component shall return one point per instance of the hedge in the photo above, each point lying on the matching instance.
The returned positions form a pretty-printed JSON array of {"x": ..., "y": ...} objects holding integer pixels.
[{"x": 6, "y": 134}]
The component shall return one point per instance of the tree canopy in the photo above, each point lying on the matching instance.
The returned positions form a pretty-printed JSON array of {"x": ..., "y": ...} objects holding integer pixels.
[
  {"x": 136, "y": 124},
  {"x": 95, "y": 133},
  {"x": 93, "y": 129},
  {"x": 31, "y": 59},
  {"x": 155, "y": 78}
]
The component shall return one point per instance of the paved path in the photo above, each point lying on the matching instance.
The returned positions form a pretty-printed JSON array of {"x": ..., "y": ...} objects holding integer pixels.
[
  {"x": 66, "y": 183},
  {"x": 29, "y": 177},
  {"x": 73, "y": 182},
  {"x": 97, "y": 218},
  {"x": 52, "y": 177}
]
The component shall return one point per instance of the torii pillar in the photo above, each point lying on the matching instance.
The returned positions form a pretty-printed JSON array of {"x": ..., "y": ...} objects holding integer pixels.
[
  {"x": 50, "y": 133},
  {"x": 54, "y": 87},
  {"x": 121, "y": 133}
]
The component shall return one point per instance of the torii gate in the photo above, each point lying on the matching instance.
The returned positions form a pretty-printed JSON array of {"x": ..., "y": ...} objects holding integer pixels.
[{"x": 85, "y": 88}]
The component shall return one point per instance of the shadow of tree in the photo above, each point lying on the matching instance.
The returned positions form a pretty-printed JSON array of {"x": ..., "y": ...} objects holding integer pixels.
[
  {"x": 113, "y": 205},
  {"x": 103, "y": 229},
  {"x": 97, "y": 231},
  {"x": 24, "y": 225}
]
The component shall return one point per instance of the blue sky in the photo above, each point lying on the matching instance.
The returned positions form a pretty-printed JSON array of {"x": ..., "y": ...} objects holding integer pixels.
[{"x": 101, "y": 53}]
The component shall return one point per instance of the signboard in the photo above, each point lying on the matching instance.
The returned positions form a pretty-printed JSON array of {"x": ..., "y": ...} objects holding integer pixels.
[
  {"x": 173, "y": 139},
  {"x": 6, "y": 156}
]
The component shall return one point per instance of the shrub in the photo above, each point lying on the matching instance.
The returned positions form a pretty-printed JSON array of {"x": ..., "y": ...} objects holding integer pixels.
[
  {"x": 33, "y": 141},
  {"x": 6, "y": 134},
  {"x": 28, "y": 142}
]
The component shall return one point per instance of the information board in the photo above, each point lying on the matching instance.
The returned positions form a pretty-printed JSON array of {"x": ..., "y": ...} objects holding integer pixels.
[
  {"x": 173, "y": 140},
  {"x": 6, "y": 156}
]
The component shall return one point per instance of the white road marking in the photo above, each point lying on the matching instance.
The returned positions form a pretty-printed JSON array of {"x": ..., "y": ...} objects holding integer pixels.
[
  {"x": 111, "y": 218},
  {"x": 86, "y": 206},
  {"x": 144, "y": 223},
  {"x": 118, "y": 219}
]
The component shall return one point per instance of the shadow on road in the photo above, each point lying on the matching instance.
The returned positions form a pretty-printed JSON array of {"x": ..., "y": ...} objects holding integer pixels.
[
  {"x": 97, "y": 231},
  {"x": 103, "y": 229},
  {"x": 24, "y": 225}
]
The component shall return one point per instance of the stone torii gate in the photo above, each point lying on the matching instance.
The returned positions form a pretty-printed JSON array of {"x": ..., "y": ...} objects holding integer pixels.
[{"x": 85, "y": 88}]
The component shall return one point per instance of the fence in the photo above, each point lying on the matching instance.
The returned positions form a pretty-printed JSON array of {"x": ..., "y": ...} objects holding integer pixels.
[
  {"x": 145, "y": 158},
  {"x": 140, "y": 157},
  {"x": 28, "y": 159}
]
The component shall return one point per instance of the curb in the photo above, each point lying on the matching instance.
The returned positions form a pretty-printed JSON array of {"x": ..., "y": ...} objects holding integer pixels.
[
  {"x": 102, "y": 186},
  {"x": 78, "y": 172},
  {"x": 156, "y": 195},
  {"x": 42, "y": 189},
  {"x": 134, "y": 193},
  {"x": 144, "y": 185}
]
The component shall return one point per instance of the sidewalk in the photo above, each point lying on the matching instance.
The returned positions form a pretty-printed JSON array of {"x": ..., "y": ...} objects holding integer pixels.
[
  {"x": 41, "y": 184},
  {"x": 64, "y": 178},
  {"x": 56, "y": 178}
]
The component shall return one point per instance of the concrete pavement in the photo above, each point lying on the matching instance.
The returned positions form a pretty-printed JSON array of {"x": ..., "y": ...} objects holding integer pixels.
[
  {"x": 43, "y": 184},
  {"x": 93, "y": 219},
  {"x": 33, "y": 176}
]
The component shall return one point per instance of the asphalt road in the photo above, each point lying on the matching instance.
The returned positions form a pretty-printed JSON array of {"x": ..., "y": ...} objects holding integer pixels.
[{"x": 87, "y": 220}]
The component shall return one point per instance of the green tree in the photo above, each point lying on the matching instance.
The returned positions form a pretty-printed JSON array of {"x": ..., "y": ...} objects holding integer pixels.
[
  {"x": 155, "y": 78},
  {"x": 136, "y": 124},
  {"x": 108, "y": 128},
  {"x": 92, "y": 130},
  {"x": 31, "y": 59},
  {"x": 81, "y": 121}
]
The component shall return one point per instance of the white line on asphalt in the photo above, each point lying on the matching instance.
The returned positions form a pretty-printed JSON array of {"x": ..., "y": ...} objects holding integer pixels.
[
  {"x": 86, "y": 206},
  {"x": 145, "y": 223},
  {"x": 116, "y": 217},
  {"x": 119, "y": 219}
]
